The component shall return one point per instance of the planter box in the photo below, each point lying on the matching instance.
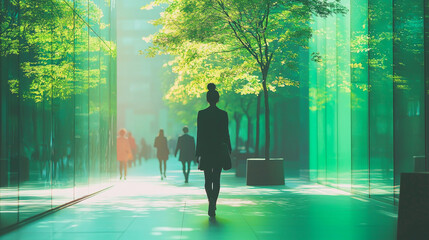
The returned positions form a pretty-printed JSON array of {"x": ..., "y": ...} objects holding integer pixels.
[
  {"x": 265, "y": 173},
  {"x": 413, "y": 212}
]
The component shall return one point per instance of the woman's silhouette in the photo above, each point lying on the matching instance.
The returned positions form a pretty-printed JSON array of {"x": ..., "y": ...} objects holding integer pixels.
[
  {"x": 212, "y": 135},
  {"x": 162, "y": 152}
]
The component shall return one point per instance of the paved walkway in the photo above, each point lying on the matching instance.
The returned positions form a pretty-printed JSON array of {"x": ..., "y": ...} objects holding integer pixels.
[{"x": 144, "y": 207}]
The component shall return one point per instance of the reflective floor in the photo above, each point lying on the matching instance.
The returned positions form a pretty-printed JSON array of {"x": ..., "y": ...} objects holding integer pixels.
[{"x": 144, "y": 207}]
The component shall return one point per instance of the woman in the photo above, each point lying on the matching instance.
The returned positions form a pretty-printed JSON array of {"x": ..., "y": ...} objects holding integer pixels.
[
  {"x": 162, "y": 152},
  {"x": 123, "y": 152},
  {"x": 212, "y": 136},
  {"x": 133, "y": 147}
]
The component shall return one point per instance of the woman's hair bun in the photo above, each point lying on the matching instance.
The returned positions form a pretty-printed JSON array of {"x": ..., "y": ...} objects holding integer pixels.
[{"x": 211, "y": 87}]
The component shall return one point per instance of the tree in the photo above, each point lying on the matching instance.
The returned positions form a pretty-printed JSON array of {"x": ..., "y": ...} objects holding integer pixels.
[
  {"x": 44, "y": 33},
  {"x": 261, "y": 30}
]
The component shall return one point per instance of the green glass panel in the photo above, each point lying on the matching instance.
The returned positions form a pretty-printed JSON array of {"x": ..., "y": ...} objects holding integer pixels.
[
  {"x": 81, "y": 8},
  {"x": 112, "y": 114},
  {"x": 359, "y": 97},
  {"x": 63, "y": 102},
  {"x": 322, "y": 99},
  {"x": 105, "y": 20},
  {"x": 35, "y": 118},
  {"x": 313, "y": 108},
  {"x": 105, "y": 133},
  {"x": 408, "y": 91},
  {"x": 381, "y": 99},
  {"x": 366, "y": 96},
  {"x": 426, "y": 50},
  {"x": 344, "y": 99},
  {"x": 9, "y": 115},
  {"x": 95, "y": 14},
  {"x": 331, "y": 112},
  {"x": 81, "y": 85},
  {"x": 51, "y": 87},
  {"x": 94, "y": 110}
]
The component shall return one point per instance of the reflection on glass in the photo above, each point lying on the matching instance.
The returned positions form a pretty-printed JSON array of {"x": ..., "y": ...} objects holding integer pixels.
[
  {"x": 55, "y": 126},
  {"x": 367, "y": 99}
]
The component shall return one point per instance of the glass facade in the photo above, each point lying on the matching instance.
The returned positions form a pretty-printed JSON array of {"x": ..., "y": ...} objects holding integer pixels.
[
  {"x": 58, "y": 103},
  {"x": 369, "y": 96}
]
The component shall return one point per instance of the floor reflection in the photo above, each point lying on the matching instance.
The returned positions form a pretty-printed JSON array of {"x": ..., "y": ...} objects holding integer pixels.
[{"x": 144, "y": 207}]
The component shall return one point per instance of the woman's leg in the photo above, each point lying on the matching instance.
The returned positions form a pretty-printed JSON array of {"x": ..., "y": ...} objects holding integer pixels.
[
  {"x": 208, "y": 185},
  {"x": 188, "y": 170},
  {"x": 160, "y": 167},
  {"x": 125, "y": 170},
  {"x": 165, "y": 167},
  {"x": 212, "y": 186},
  {"x": 121, "y": 166},
  {"x": 216, "y": 185},
  {"x": 184, "y": 170}
]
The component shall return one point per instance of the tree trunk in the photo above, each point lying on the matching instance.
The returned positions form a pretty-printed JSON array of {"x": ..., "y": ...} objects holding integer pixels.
[
  {"x": 249, "y": 132},
  {"x": 267, "y": 115},
  {"x": 237, "y": 118},
  {"x": 258, "y": 118}
]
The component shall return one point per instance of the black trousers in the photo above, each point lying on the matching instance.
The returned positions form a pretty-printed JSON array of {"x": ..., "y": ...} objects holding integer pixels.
[
  {"x": 160, "y": 166},
  {"x": 212, "y": 184},
  {"x": 186, "y": 169}
]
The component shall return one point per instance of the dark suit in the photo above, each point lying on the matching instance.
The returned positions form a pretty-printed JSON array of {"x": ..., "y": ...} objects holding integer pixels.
[
  {"x": 212, "y": 131},
  {"x": 186, "y": 145}
]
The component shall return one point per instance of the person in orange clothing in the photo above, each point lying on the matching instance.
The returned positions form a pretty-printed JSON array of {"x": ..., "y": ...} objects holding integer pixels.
[
  {"x": 123, "y": 152},
  {"x": 133, "y": 146}
]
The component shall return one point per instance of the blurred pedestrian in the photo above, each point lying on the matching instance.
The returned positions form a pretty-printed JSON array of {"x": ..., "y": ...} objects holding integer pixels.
[
  {"x": 162, "y": 152},
  {"x": 123, "y": 152},
  {"x": 133, "y": 146},
  {"x": 143, "y": 151},
  {"x": 186, "y": 145}
]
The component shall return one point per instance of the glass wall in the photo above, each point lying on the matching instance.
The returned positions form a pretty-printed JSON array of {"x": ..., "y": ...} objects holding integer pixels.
[
  {"x": 58, "y": 103},
  {"x": 367, "y": 96},
  {"x": 427, "y": 81}
]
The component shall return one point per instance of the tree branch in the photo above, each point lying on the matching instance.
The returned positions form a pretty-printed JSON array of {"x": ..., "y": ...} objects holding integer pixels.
[{"x": 245, "y": 42}]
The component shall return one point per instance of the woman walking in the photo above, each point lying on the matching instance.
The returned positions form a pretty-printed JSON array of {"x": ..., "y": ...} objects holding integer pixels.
[
  {"x": 162, "y": 152},
  {"x": 212, "y": 143},
  {"x": 123, "y": 152}
]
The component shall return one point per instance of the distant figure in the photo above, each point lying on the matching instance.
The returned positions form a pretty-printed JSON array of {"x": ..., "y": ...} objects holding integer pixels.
[
  {"x": 133, "y": 146},
  {"x": 143, "y": 151},
  {"x": 162, "y": 152},
  {"x": 212, "y": 136},
  {"x": 171, "y": 143},
  {"x": 186, "y": 145},
  {"x": 123, "y": 151}
]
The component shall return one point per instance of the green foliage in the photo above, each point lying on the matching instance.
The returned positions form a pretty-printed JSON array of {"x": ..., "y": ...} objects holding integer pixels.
[
  {"x": 219, "y": 41},
  {"x": 236, "y": 44},
  {"x": 46, "y": 39}
]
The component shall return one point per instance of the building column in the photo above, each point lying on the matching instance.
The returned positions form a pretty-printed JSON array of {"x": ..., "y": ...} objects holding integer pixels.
[{"x": 426, "y": 64}]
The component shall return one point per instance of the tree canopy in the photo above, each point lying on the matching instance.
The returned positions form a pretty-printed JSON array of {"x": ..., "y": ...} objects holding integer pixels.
[
  {"x": 47, "y": 35},
  {"x": 234, "y": 43}
]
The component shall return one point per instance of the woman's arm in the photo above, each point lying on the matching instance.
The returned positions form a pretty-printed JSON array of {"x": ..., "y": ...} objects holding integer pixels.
[
  {"x": 198, "y": 151},
  {"x": 166, "y": 146},
  {"x": 227, "y": 138}
]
